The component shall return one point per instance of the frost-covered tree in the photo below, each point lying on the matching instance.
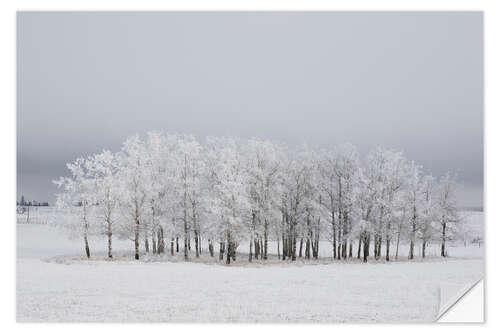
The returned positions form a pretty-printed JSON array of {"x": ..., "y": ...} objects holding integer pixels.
[
  {"x": 132, "y": 167},
  {"x": 386, "y": 168},
  {"x": 229, "y": 203},
  {"x": 297, "y": 193},
  {"x": 77, "y": 199},
  {"x": 102, "y": 171},
  {"x": 328, "y": 185},
  {"x": 413, "y": 201},
  {"x": 346, "y": 170},
  {"x": 159, "y": 188},
  {"x": 190, "y": 170},
  {"x": 447, "y": 208},
  {"x": 263, "y": 166},
  {"x": 427, "y": 221}
]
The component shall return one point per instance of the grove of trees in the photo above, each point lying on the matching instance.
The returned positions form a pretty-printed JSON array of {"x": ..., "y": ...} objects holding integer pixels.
[{"x": 168, "y": 189}]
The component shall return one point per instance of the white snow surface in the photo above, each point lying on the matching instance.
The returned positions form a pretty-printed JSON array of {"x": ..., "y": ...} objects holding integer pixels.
[{"x": 55, "y": 283}]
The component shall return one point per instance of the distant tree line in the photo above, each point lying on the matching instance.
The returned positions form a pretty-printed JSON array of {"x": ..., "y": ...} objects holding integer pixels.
[{"x": 234, "y": 193}]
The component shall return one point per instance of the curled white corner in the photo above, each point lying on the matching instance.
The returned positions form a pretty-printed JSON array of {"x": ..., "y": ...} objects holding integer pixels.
[{"x": 461, "y": 304}]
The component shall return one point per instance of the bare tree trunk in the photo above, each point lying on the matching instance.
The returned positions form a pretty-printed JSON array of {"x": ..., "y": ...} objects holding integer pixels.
[
  {"x": 359, "y": 246},
  {"x": 156, "y": 236},
  {"x": 110, "y": 241},
  {"x": 344, "y": 236},
  {"x": 278, "y": 248},
  {"x": 158, "y": 242},
  {"x": 313, "y": 248},
  {"x": 172, "y": 246},
  {"x": 233, "y": 251},
  {"x": 177, "y": 244},
  {"x": 339, "y": 239},
  {"x": 308, "y": 248},
  {"x": 283, "y": 223},
  {"x": 316, "y": 252},
  {"x": 221, "y": 250},
  {"x": 250, "y": 253},
  {"x": 334, "y": 231},
  {"x": 146, "y": 243},
  {"x": 423, "y": 249},
  {"x": 228, "y": 254},
  {"x": 136, "y": 240},
  {"x": 410, "y": 256},
  {"x": 379, "y": 247},
  {"x": 387, "y": 247},
  {"x": 185, "y": 217},
  {"x": 308, "y": 223},
  {"x": 257, "y": 248},
  {"x": 413, "y": 232},
  {"x": 153, "y": 241},
  {"x": 366, "y": 246},
  {"x": 397, "y": 243},
  {"x": 285, "y": 246},
  {"x": 443, "y": 240},
  {"x": 334, "y": 242},
  {"x": 265, "y": 238},
  {"x": 341, "y": 224},
  {"x": 211, "y": 247},
  {"x": 87, "y": 249},
  {"x": 261, "y": 249},
  {"x": 199, "y": 241},
  {"x": 85, "y": 231},
  {"x": 375, "y": 245},
  {"x": 196, "y": 243},
  {"x": 387, "y": 241},
  {"x": 161, "y": 240}
]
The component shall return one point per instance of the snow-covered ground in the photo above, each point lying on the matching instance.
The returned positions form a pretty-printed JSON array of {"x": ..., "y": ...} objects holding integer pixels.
[{"x": 54, "y": 284}]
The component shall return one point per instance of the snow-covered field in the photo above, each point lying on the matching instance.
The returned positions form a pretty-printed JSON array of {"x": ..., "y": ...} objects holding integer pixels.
[{"x": 54, "y": 284}]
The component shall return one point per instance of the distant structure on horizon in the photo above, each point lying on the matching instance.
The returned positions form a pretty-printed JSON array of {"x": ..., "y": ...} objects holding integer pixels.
[{"x": 23, "y": 203}]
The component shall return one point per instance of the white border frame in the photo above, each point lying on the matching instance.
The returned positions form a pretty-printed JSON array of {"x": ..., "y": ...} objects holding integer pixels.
[{"x": 8, "y": 137}]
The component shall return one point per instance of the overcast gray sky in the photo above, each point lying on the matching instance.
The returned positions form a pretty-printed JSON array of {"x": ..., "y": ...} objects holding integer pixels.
[{"x": 407, "y": 81}]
